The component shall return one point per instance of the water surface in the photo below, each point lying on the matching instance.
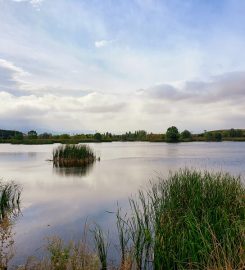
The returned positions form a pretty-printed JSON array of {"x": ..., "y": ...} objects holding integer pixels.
[{"x": 58, "y": 201}]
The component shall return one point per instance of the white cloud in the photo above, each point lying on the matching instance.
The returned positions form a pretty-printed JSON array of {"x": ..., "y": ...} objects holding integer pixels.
[
  {"x": 102, "y": 43},
  {"x": 33, "y": 2}
]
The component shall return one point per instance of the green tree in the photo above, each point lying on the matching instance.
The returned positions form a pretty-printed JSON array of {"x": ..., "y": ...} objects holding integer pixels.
[
  {"x": 172, "y": 134},
  {"x": 45, "y": 135},
  {"x": 218, "y": 136},
  {"x": 186, "y": 135},
  {"x": 98, "y": 136},
  {"x": 65, "y": 136},
  {"x": 19, "y": 136},
  {"x": 32, "y": 134}
]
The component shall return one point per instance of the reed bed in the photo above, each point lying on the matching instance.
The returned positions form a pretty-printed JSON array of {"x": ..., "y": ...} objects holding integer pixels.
[
  {"x": 77, "y": 155},
  {"x": 191, "y": 220}
]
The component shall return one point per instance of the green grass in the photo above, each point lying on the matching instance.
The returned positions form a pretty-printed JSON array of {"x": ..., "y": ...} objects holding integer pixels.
[
  {"x": 9, "y": 199},
  {"x": 191, "y": 220},
  {"x": 73, "y": 155},
  {"x": 61, "y": 256}
]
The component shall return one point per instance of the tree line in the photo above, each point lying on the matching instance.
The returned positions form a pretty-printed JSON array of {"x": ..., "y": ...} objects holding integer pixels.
[{"x": 172, "y": 134}]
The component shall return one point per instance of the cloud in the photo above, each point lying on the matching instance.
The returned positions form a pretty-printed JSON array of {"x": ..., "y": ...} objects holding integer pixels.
[
  {"x": 11, "y": 77},
  {"x": 35, "y": 3},
  {"x": 228, "y": 87},
  {"x": 102, "y": 43},
  {"x": 64, "y": 112}
]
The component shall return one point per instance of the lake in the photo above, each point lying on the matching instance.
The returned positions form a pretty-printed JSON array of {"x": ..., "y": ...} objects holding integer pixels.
[{"x": 59, "y": 201}]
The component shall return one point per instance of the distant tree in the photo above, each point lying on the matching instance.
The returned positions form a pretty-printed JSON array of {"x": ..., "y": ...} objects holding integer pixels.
[
  {"x": 232, "y": 132},
  {"x": 235, "y": 132},
  {"x": 213, "y": 136},
  {"x": 140, "y": 134},
  {"x": 32, "y": 134},
  {"x": 218, "y": 136},
  {"x": 45, "y": 135},
  {"x": 225, "y": 133},
  {"x": 19, "y": 136},
  {"x": 239, "y": 133},
  {"x": 172, "y": 134},
  {"x": 186, "y": 135},
  {"x": 208, "y": 136},
  {"x": 97, "y": 136},
  {"x": 65, "y": 136}
]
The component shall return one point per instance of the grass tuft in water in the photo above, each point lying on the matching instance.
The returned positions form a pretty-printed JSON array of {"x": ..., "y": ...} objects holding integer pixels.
[
  {"x": 102, "y": 245},
  {"x": 76, "y": 155},
  {"x": 9, "y": 199},
  {"x": 191, "y": 220}
]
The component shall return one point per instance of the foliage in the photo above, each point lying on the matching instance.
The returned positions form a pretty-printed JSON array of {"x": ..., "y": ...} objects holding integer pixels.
[
  {"x": 185, "y": 135},
  {"x": 45, "y": 135},
  {"x": 32, "y": 134},
  {"x": 235, "y": 133},
  {"x": 191, "y": 220},
  {"x": 172, "y": 134},
  {"x": 71, "y": 256},
  {"x": 16, "y": 137},
  {"x": 8, "y": 134},
  {"x": 98, "y": 136},
  {"x": 213, "y": 136}
]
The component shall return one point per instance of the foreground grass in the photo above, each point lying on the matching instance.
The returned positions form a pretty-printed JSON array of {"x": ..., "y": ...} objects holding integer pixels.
[
  {"x": 73, "y": 155},
  {"x": 190, "y": 220},
  {"x": 9, "y": 199},
  {"x": 71, "y": 256},
  {"x": 9, "y": 209}
]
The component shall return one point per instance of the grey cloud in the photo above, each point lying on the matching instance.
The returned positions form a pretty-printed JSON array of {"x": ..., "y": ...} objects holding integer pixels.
[
  {"x": 228, "y": 87},
  {"x": 112, "y": 108},
  {"x": 10, "y": 78}
]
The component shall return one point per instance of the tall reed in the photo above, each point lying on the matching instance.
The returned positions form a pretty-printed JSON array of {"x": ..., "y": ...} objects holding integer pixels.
[
  {"x": 191, "y": 220},
  {"x": 9, "y": 199},
  {"x": 75, "y": 155}
]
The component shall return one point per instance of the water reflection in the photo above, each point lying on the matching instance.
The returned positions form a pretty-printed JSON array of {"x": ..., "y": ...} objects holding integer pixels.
[
  {"x": 9, "y": 211},
  {"x": 74, "y": 171},
  {"x": 52, "y": 205}
]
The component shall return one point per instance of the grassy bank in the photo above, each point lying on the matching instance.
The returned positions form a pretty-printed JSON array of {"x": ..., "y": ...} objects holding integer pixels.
[
  {"x": 190, "y": 220},
  {"x": 75, "y": 155}
]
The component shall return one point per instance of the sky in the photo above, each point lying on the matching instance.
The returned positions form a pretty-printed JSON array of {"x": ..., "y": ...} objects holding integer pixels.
[{"x": 119, "y": 65}]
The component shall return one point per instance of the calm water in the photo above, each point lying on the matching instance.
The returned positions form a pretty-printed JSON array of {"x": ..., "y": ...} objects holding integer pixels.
[{"x": 57, "y": 202}]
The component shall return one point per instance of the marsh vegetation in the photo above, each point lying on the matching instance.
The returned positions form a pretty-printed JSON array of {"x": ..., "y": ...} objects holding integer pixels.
[
  {"x": 191, "y": 220},
  {"x": 9, "y": 199},
  {"x": 77, "y": 155},
  {"x": 9, "y": 210}
]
